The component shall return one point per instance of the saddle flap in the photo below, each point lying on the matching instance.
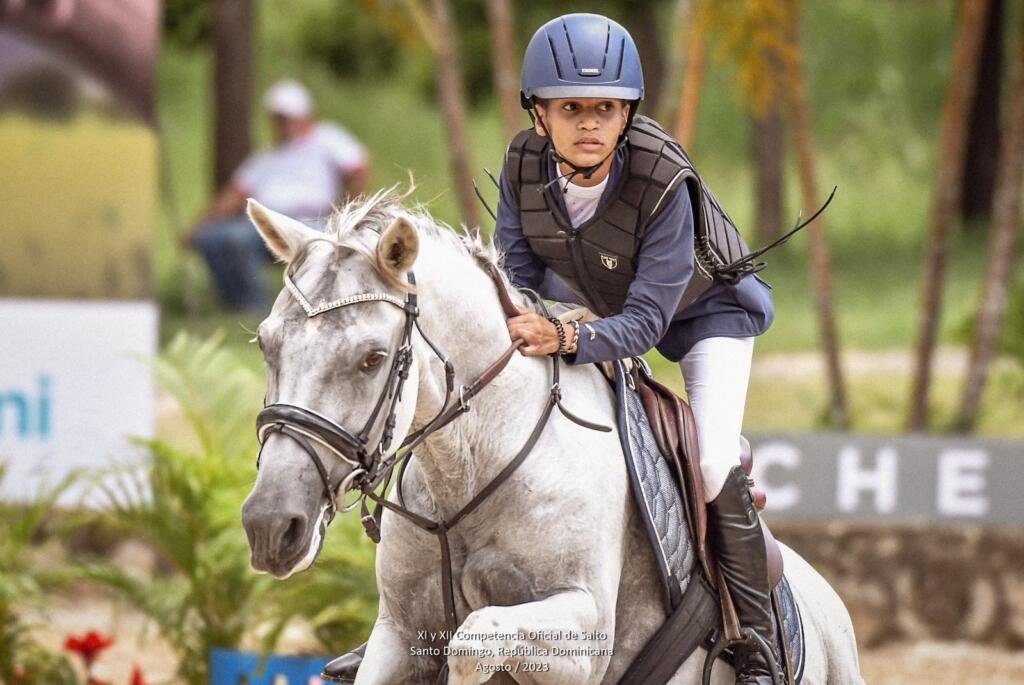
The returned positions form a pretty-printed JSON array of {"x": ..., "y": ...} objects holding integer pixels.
[
  {"x": 676, "y": 433},
  {"x": 671, "y": 412}
]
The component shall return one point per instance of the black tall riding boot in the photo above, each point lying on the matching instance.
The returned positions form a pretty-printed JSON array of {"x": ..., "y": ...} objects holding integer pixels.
[
  {"x": 742, "y": 558},
  {"x": 344, "y": 668}
]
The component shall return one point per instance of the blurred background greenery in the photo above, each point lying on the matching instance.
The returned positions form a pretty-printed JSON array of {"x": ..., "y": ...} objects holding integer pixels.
[{"x": 878, "y": 75}]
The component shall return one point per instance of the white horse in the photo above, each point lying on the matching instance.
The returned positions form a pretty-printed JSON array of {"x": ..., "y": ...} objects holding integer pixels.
[{"x": 558, "y": 549}]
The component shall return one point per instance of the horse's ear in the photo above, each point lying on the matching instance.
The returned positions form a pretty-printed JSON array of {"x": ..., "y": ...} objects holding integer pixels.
[
  {"x": 284, "y": 236},
  {"x": 398, "y": 246}
]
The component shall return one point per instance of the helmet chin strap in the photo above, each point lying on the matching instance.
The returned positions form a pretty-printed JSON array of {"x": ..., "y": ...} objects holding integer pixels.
[{"x": 585, "y": 171}]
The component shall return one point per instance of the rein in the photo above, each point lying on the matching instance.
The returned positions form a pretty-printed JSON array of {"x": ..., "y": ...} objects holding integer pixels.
[{"x": 371, "y": 470}]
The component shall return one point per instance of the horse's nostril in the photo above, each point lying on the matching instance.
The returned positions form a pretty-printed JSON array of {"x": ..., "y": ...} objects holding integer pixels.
[{"x": 294, "y": 533}]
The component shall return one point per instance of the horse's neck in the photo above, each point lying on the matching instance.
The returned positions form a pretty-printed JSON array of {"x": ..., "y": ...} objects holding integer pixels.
[{"x": 469, "y": 328}]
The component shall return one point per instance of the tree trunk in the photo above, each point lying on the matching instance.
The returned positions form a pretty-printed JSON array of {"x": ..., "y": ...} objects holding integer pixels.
[
  {"x": 769, "y": 154},
  {"x": 675, "y": 62},
  {"x": 689, "y": 95},
  {"x": 644, "y": 26},
  {"x": 452, "y": 100},
  {"x": 504, "y": 62},
  {"x": 821, "y": 269},
  {"x": 1002, "y": 250},
  {"x": 983, "y": 131},
  {"x": 948, "y": 188},
  {"x": 232, "y": 24}
]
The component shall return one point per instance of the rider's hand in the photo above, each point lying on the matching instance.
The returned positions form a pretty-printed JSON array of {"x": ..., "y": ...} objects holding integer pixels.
[{"x": 539, "y": 334}]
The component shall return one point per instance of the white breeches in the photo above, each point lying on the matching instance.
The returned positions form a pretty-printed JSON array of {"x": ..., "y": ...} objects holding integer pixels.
[{"x": 716, "y": 372}]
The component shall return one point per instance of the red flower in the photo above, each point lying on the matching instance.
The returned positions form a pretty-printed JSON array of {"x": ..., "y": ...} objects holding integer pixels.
[
  {"x": 137, "y": 678},
  {"x": 88, "y": 646}
]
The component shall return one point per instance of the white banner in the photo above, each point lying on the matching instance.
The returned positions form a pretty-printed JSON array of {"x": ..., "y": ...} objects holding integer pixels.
[
  {"x": 904, "y": 478},
  {"x": 73, "y": 388}
]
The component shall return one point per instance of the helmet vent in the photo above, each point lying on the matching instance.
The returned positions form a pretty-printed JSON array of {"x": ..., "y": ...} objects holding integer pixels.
[
  {"x": 554, "y": 58},
  {"x": 572, "y": 50},
  {"x": 607, "y": 44},
  {"x": 622, "y": 55}
]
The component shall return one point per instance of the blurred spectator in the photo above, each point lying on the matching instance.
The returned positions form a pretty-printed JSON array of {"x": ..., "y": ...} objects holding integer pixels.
[{"x": 311, "y": 166}]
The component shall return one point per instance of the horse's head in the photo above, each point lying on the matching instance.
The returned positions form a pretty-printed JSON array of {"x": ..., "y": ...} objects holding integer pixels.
[{"x": 335, "y": 346}]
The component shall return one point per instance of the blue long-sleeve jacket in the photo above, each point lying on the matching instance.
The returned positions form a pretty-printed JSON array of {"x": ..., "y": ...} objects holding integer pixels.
[{"x": 664, "y": 267}]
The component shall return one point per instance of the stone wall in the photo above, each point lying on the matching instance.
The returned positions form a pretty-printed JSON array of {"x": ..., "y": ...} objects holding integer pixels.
[{"x": 920, "y": 582}]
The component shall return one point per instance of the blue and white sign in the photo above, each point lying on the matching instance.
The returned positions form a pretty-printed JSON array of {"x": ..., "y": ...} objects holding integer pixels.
[{"x": 73, "y": 388}]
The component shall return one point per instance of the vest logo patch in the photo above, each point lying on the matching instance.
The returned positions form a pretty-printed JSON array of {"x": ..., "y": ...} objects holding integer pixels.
[{"x": 609, "y": 261}]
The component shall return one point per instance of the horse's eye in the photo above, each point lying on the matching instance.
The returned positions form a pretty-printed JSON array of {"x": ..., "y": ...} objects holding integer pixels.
[{"x": 374, "y": 359}]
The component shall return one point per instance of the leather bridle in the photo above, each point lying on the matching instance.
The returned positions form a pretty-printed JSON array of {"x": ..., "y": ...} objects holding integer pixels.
[{"x": 372, "y": 468}]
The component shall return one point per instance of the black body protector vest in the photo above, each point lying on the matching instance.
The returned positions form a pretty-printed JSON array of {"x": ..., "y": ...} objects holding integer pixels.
[{"x": 598, "y": 259}]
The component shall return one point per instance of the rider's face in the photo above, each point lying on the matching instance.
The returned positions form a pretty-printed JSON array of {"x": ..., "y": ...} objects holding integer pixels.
[{"x": 584, "y": 130}]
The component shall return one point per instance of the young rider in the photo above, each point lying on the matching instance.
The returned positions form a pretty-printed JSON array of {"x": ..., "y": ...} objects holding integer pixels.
[
  {"x": 599, "y": 206},
  {"x": 602, "y": 202}
]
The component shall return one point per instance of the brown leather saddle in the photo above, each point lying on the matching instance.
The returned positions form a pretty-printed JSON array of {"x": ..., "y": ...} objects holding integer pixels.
[{"x": 676, "y": 434}]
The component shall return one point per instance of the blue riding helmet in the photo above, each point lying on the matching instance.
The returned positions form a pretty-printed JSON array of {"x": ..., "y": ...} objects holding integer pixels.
[{"x": 581, "y": 55}]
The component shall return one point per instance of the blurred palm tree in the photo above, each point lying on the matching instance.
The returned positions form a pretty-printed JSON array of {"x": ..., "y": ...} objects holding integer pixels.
[{"x": 764, "y": 39}]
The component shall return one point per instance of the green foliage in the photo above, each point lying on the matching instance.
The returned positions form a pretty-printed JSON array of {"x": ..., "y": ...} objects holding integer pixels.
[
  {"x": 185, "y": 503},
  {"x": 351, "y": 41},
  {"x": 23, "y": 584},
  {"x": 344, "y": 573},
  {"x": 1013, "y": 331},
  {"x": 25, "y": 662},
  {"x": 187, "y": 22},
  {"x": 878, "y": 75}
]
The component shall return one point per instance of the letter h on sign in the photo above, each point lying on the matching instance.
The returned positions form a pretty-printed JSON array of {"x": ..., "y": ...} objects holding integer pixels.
[{"x": 854, "y": 478}]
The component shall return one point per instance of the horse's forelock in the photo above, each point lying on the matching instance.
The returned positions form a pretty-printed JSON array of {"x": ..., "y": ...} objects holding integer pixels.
[{"x": 379, "y": 210}]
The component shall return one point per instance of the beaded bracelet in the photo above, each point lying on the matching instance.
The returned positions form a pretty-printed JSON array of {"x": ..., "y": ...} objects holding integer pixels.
[
  {"x": 561, "y": 334},
  {"x": 574, "y": 344}
]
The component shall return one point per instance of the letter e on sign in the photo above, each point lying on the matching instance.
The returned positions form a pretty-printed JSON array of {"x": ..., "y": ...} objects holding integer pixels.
[{"x": 961, "y": 483}]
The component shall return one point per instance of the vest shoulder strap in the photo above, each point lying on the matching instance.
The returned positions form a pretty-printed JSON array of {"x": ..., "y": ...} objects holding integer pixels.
[{"x": 659, "y": 162}]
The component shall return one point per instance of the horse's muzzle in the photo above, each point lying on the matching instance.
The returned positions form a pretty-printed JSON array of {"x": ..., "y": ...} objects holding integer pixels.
[{"x": 278, "y": 540}]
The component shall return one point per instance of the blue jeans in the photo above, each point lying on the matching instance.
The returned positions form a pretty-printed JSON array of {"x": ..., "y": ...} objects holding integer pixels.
[{"x": 236, "y": 255}]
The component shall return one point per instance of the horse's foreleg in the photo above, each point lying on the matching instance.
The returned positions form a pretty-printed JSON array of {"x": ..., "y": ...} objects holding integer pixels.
[
  {"x": 387, "y": 657},
  {"x": 554, "y": 640}
]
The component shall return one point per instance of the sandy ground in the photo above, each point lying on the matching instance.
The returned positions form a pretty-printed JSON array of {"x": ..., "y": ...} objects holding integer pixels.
[{"x": 955, "y": 663}]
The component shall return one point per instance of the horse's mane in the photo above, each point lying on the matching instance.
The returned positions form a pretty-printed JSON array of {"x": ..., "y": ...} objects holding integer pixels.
[{"x": 376, "y": 212}]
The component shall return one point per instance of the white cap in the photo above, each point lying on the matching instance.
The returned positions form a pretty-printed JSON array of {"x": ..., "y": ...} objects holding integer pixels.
[{"x": 289, "y": 98}]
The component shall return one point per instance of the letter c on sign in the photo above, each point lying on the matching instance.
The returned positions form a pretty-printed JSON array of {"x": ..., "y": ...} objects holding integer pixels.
[{"x": 780, "y": 454}]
